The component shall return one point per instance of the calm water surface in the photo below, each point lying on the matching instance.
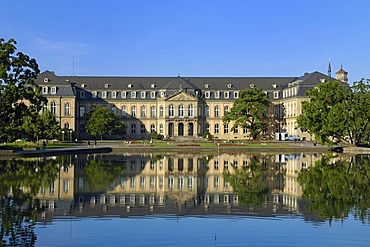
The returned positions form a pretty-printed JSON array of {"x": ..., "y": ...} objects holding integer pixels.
[{"x": 186, "y": 200}]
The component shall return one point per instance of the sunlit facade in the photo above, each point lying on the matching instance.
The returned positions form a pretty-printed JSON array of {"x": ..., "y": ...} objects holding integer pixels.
[{"x": 177, "y": 107}]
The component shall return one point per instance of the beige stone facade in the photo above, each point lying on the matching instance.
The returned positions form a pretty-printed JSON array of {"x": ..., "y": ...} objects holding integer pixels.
[{"x": 177, "y": 106}]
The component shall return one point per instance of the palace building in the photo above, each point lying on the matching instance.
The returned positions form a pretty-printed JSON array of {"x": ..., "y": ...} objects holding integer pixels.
[{"x": 178, "y": 107}]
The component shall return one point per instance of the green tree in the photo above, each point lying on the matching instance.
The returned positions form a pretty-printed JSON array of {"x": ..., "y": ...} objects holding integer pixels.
[
  {"x": 337, "y": 112},
  {"x": 43, "y": 126},
  {"x": 19, "y": 95},
  {"x": 47, "y": 125},
  {"x": 333, "y": 189},
  {"x": 247, "y": 111},
  {"x": 248, "y": 183},
  {"x": 101, "y": 120}
]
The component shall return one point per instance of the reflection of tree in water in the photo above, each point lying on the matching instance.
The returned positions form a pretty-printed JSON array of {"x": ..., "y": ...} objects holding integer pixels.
[
  {"x": 335, "y": 189},
  {"x": 21, "y": 180},
  {"x": 248, "y": 182},
  {"x": 100, "y": 174}
]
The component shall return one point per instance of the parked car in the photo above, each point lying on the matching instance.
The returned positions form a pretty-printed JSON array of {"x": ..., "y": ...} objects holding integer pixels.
[{"x": 293, "y": 138}]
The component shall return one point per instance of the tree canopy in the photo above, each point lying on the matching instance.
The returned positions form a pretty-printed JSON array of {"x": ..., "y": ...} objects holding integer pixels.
[
  {"x": 20, "y": 97},
  {"x": 337, "y": 112},
  {"x": 333, "y": 189},
  {"x": 101, "y": 121},
  {"x": 247, "y": 110}
]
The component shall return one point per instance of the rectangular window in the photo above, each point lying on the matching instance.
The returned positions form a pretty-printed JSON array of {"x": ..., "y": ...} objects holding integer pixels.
[
  {"x": 142, "y": 129},
  {"x": 133, "y": 95},
  {"x": 142, "y": 182},
  {"x": 133, "y": 111},
  {"x": 245, "y": 130},
  {"x": 226, "y": 164},
  {"x": 152, "y": 95},
  {"x": 236, "y": 94},
  {"x": 133, "y": 128},
  {"x": 82, "y": 111},
  {"x": 226, "y": 95},
  {"x": 67, "y": 109},
  {"x": 236, "y": 130},
  {"x": 152, "y": 181},
  {"x": 216, "y": 181},
  {"x": 206, "y": 113},
  {"x": 104, "y": 94},
  {"x": 123, "y": 94},
  {"x": 216, "y": 165},
  {"x": 45, "y": 90},
  {"x": 114, "y": 94},
  {"x": 123, "y": 111},
  {"x": 53, "y": 90},
  {"x": 226, "y": 129},
  {"x": 217, "y": 128}
]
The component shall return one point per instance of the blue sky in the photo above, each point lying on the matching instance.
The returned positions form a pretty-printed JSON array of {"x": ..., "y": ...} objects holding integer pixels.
[{"x": 193, "y": 38}]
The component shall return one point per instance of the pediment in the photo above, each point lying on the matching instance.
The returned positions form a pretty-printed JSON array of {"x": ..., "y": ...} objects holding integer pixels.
[{"x": 181, "y": 96}]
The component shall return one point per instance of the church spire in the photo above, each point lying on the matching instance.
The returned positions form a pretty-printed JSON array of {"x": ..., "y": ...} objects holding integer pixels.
[{"x": 329, "y": 69}]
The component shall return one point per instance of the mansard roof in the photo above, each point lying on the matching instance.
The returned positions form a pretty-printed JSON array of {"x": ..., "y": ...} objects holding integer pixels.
[{"x": 95, "y": 83}]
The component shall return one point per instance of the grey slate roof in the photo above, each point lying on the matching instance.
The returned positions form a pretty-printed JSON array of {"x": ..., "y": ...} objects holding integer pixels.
[{"x": 190, "y": 84}]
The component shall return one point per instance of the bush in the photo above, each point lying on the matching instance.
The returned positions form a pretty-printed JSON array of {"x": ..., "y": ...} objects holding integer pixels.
[{"x": 156, "y": 136}]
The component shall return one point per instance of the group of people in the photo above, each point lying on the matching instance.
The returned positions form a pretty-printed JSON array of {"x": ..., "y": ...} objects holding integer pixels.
[{"x": 88, "y": 143}]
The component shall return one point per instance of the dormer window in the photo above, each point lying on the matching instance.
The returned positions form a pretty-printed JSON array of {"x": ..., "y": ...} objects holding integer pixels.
[
  {"x": 206, "y": 85},
  {"x": 53, "y": 90},
  {"x": 143, "y": 94},
  {"x": 104, "y": 94},
  {"x": 236, "y": 94},
  {"x": 133, "y": 95},
  {"x": 322, "y": 80},
  {"x": 226, "y": 95},
  {"x": 82, "y": 94},
  {"x": 123, "y": 94},
  {"x": 83, "y": 85},
  {"x": 251, "y": 85},
  {"x": 163, "y": 94},
  {"x": 106, "y": 85},
  {"x": 129, "y": 85},
  {"x": 217, "y": 94},
  {"x": 274, "y": 85},
  {"x": 94, "y": 94},
  {"x": 229, "y": 85},
  {"x": 45, "y": 90},
  {"x": 152, "y": 86},
  {"x": 207, "y": 95},
  {"x": 152, "y": 95},
  {"x": 114, "y": 94},
  {"x": 46, "y": 79}
]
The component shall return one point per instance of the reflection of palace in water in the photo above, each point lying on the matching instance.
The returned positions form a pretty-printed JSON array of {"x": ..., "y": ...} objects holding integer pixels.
[{"x": 184, "y": 184}]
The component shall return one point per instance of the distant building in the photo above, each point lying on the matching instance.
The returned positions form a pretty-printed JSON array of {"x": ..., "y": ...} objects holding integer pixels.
[{"x": 178, "y": 107}]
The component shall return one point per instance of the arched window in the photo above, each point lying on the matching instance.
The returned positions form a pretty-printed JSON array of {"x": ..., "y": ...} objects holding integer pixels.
[
  {"x": 152, "y": 111},
  {"x": 191, "y": 111},
  {"x": 123, "y": 111},
  {"x": 133, "y": 111},
  {"x": 171, "y": 111},
  {"x": 143, "y": 111},
  {"x": 53, "y": 108},
  {"x": 181, "y": 110}
]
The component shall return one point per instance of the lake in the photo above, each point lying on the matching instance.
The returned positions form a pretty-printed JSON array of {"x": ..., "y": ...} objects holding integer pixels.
[{"x": 227, "y": 199}]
